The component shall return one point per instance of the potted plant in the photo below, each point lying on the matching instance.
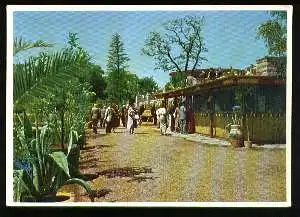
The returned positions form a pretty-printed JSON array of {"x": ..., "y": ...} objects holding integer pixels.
[
  {"x": 46, "y": 170},
  {"x": 235, "y": 135},
  {"x": 242, "y": 96}
]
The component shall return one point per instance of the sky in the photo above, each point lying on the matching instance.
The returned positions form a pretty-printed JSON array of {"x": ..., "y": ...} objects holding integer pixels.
[{"x": 230, "y": 36}]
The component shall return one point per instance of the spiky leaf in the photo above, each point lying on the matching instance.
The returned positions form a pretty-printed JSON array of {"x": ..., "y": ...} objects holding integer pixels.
[
  {"x": 61, "y": 160},
  {"x": 82, "y": 183}
]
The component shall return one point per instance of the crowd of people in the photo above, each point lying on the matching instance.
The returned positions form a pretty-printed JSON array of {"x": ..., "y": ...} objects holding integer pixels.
[
  {"x": 109, "y": 117},
  {"x": 173, "y": 118},
  {"x": 176, "y": 117}
]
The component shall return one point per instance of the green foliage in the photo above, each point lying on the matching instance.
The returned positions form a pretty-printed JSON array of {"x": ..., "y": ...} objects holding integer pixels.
[
  {"x": 73, "y": 40},
  {"x": 169, "y": 86},
  {"x": 117, "y": 76},
  {"x": 49, "y": 87},
  {"x": 179, "y": 47},
  {"x": 43, "y": 74},
  {"x": 117, "y": 58},
  {"x": 23, "y": 134},
  {"x": 21, "y": 45},
  {"x": 50, "y": 170},
  {"x": 94, "y": 76},
  {"x": 274, "y": 33},
  {"x": 176, "y": 81},
  {"x": 147, "y": 85}
]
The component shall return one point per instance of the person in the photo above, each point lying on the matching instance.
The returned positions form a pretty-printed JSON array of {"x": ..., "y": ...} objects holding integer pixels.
[
  {"x": 136, "y": 118},
  {"x": 141, "y": 111},
  {"x": 182, "y": 118},
  {"x": 171, "y": 122},
  {"x": 153, "y": 113},
  {"x": 115, "y": 119},
  {"x": 162, "y": 117},
  {"x": 190, "y": 120},
  {"x": 126, "y": 114},
  {"x": 108, "y": 118},
  {"x": 130, "y": 118},
  {"x": 95, "y": 115},
  {"x": 123, "y": 113},
  {"x": 176, "y": 119},
  {"x": 102, "y": 117}
]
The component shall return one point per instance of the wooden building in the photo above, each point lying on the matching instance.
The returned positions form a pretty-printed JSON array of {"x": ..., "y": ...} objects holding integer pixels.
[{"x": 212, "y": 102}]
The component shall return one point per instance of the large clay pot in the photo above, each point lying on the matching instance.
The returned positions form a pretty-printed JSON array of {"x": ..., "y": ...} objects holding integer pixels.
[
  {"x": 236, "y": 136},
  {"x": 248, "y": 144}
]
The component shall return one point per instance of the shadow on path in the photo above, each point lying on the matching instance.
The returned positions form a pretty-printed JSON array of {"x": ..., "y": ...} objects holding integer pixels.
[
  {"x": 88, "y": 176},
  {"x": 125, "y": 172},
  {"x": 140, "y": 179},
  {"x": 98, "y": 193}
]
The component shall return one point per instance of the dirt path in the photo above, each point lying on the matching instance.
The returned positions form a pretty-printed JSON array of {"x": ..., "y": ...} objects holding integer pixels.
[{"x": 149, "y": 167}]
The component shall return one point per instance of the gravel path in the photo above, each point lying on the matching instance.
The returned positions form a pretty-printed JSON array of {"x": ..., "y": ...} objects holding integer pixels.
[{"x": 149, "y": 167}]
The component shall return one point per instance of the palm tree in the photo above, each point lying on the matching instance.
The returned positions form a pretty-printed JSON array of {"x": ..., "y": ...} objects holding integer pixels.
[
  {"x": 41, "y": 75},
  {"x": 36, "y": 78},
  {"x": 20, "y": 45}
]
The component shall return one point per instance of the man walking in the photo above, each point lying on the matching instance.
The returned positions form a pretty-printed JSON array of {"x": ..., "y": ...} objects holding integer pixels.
[
  {"x": 153, "y": 113},
  {"x": 102, "y": 117}
]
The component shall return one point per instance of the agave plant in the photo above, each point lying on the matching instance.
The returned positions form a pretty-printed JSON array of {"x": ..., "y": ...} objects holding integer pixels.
[
  {"x": 35, "y": 80},
  {"x": 49, "y": 170}
]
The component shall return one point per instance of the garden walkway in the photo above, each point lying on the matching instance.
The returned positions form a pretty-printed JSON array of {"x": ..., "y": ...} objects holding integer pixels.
[{"x": 149, "y": 167}]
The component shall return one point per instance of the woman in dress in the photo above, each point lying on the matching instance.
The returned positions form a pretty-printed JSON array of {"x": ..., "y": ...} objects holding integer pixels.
[
  {"x": 108, "y": 119},
  {"x": 190, "y": 120},
  {"x": 130, "y": 118},
  {"x": 176, "y": 118}
]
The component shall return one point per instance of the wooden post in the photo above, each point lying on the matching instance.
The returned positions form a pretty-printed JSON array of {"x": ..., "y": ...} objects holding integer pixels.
[{"x": 211, "y": 114}]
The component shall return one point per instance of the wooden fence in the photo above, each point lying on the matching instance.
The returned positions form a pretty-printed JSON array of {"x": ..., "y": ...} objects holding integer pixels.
[{"x": 263, "y": 127}]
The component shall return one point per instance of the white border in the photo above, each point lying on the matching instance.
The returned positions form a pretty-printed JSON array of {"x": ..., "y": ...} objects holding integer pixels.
[
  {"x": 9, "y": 100},
  {"x": 9, "y": 109},
  {"x": 146, "y": 7}
]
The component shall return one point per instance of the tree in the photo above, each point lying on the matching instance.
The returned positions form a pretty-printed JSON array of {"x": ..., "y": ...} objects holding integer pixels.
[
  {"x": 35, "y": 82},
  {"x": 130, "y": 86},
  {"x": 93, "y": 74},
  {"x": 116, "y": 68},
  {"x": 147, "y": 85},
  {"x": 169, "y": 86},
  {"x": 96, "y": 80},
  {"x": 21, "y": 45},
  {"x": 180, "y": 47},
  {"x": 274, "y": 33}
]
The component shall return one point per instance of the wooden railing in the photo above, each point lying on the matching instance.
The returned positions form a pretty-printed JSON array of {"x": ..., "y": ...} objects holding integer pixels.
[{"x": 263, "y": 127}]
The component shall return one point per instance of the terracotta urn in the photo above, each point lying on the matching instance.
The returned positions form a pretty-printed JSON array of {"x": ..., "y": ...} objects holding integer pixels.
[{"x": 236, "y": 136}]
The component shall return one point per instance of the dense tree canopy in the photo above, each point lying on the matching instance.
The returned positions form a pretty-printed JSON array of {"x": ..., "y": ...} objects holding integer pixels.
[
  {"x": 93, "y": 74},
  {"x": 147, "y": 85},
  {"x": 117, "y": 63},
  {"x": 274, "y": 33}
]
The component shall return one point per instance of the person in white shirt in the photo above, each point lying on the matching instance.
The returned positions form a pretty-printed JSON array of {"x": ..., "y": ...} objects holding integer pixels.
[
  {"x": 182, "y": 118},
  {"x": 108, "y": 117},
  {"x": 162, "y": 117},
  {"x": 131, "y": 118}
]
